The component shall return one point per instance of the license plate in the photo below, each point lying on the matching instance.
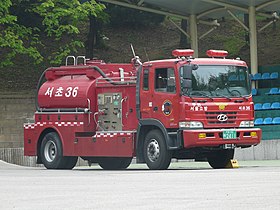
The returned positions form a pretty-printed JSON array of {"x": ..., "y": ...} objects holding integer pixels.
[{"x": 229, "y": 134}]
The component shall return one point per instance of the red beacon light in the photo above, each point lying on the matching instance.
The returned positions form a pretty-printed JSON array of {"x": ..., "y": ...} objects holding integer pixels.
[
  {"x": 217, "y": 53},
  {"x": 183, "y": 53}
]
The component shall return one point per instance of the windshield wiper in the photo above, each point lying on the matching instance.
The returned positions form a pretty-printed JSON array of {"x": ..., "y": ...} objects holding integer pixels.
[
  {"x": 217, "y": 94},
  {"x": 201, "y": 94},
  {"x": 186, "y": 93},
  {"x": 239, "y": 94},
  {"x": 235, "y": 91},
  {"x": 226, "y": 86}
]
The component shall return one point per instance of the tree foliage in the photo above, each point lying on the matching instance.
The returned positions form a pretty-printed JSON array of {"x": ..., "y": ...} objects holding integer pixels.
[
  {"x": 56, "y": 19},
  {"x": 122, "y": 16},
  {"x": 15, "y": 38}
]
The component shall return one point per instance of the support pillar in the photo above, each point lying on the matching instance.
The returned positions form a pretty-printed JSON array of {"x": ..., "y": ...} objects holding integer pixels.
[
  {"x": 253, "y": 40},
  {"x": 193, "y": 34}
]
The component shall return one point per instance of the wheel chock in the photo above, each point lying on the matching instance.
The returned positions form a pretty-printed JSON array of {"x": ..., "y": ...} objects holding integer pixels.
[{"x": 232, "y": 164}]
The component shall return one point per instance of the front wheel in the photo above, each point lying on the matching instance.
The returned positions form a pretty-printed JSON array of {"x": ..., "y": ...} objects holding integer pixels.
[
  {"x": 52, "y": 154},
  {"x": 219, "y": 159},
  {"x": 156, "y": 155}
]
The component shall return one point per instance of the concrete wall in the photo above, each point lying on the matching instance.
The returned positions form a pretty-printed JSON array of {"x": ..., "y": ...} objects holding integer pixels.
[
  {"x": 266, "y": 150},
  {"x": 14, "y": 109},
  {"x": 15, "y": 156}
]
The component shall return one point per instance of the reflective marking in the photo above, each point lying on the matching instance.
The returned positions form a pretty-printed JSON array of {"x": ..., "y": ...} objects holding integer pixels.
[
  {"x": 59, "y": 124},
  {"x": 112, "y": 134}
]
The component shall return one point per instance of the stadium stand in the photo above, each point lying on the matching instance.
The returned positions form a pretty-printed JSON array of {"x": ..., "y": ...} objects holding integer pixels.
[
  {"x": 273, "y": 91},
  {"x": 275, "y": 105},
  {"x": 267, "y": 121},
  {"x": 266, "y": 76},
  {"x": 258, "y": 121},
  {"x": 276, "y": 121},
  {"x": 267, "y": 101},
  {"x": 274, "y": 75},
  {"x": 266, "y": 106},
  {"x": 254, "y": 91},
  {"x": 257, "y": 76},
  {"x": 258, "y": 106}
]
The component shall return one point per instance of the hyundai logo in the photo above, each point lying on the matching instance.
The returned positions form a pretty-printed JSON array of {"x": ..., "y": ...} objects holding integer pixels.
[{"x": 222, "y": 117}]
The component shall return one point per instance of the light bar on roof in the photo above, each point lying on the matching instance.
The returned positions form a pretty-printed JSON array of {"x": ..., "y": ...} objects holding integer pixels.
[
  {"x": 217, "y": 53},
  {"x": 181, "y": 53}
]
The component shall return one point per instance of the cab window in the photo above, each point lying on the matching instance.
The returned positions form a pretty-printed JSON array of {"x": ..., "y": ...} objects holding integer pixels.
[
  {"x": 165, "y": 80},
  {"x": 146, "y": 79}
]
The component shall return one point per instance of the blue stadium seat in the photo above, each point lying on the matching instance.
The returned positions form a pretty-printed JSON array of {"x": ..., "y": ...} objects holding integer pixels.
[
  {"x": 276, "y": 121},
  {"x": 251, "y": 76},
  {"x": 241, "y": 77},
  {"x": 266, "y": 106},
  {"x": 254, "y": 92},
  {"x": 275, "y": 105},
  {"x": 258, "y": 106},
  {"x": 232, "y": 78},
  {"x": 258, "y": 121},
  {"x": 265, "y": 76},
  {"x": 274, "y": 75},
  {"x": 257, "y": 76},
  {"x": 267, "y": 121},
  {"x": 273, "y": 91}
]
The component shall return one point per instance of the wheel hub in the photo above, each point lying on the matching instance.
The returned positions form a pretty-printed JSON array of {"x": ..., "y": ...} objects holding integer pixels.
[
  {"x": 153, "y": 150},
  {"x": 50, "y": 151}
]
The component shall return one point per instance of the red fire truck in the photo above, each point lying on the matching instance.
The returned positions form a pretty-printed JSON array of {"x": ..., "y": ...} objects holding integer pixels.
[{"x": 108, "y": 113}]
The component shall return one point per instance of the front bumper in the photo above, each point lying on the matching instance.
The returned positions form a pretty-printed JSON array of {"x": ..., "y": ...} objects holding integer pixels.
[{"x": 214, "y": 137}]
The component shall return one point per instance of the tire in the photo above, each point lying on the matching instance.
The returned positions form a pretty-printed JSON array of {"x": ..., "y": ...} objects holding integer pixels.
[
  {"x": 156, "y": 155},
  {"x": 114, "y": 163},
  {"x": 52, "y": 154},
  {"x": 70, "y": 162},
  {"x": 219, "y": 159}
]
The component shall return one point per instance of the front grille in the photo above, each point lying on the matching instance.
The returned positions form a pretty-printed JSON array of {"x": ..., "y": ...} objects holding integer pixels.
[{"x": 212, "y": 118}]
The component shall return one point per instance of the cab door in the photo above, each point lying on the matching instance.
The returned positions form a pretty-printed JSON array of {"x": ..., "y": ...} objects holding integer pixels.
[
  {"x": 161, "y": 100},
  {"x": 146, "y": 93}
]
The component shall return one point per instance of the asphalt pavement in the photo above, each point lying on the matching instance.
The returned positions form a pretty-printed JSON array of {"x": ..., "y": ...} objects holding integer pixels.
[{"x": 186, "y": 185}]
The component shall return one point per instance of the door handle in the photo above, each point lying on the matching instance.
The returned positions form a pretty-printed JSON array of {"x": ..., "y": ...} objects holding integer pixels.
[{"x": 155, "y": 108}]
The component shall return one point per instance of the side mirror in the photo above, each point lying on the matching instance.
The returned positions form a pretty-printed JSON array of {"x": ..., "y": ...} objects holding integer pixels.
[
  {"x": 194, "y": 67},
  {"x": 187, "y": 72},
  {"x": 187, "y": 83}
]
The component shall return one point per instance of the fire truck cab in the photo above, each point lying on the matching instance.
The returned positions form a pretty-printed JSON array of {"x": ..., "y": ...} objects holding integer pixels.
[{"x": 184, "y": 108}]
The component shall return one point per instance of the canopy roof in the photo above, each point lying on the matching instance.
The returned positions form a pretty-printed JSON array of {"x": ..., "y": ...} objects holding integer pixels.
[
  {"x": 203, "y": 9},
  {"x": 212, "y": 8},
  {"x": 209, "y": 12}
]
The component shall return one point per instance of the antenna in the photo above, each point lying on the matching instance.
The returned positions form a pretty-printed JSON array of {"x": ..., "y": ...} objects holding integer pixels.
[
  {"x": 146, "y": 54},
  {"x": 136, "y": 58},
  {"x": 132, "y": 49}
]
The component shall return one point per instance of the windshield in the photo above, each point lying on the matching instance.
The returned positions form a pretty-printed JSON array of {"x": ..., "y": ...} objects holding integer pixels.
[{"x": 219, "y": 81}]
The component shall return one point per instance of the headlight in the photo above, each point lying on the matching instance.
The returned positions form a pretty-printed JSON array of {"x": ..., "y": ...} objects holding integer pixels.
[
  {"x": 190, "y": 124},
  {"x": 247, "y": 124}
]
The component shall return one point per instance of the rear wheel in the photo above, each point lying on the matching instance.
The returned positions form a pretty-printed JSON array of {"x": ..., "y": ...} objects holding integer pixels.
[
  {"x": 219, "y": 159},
  {"x": 114, "y": 163},
  {"x": 52, "y": 154},
  {"x": 156, "y": 155}
]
